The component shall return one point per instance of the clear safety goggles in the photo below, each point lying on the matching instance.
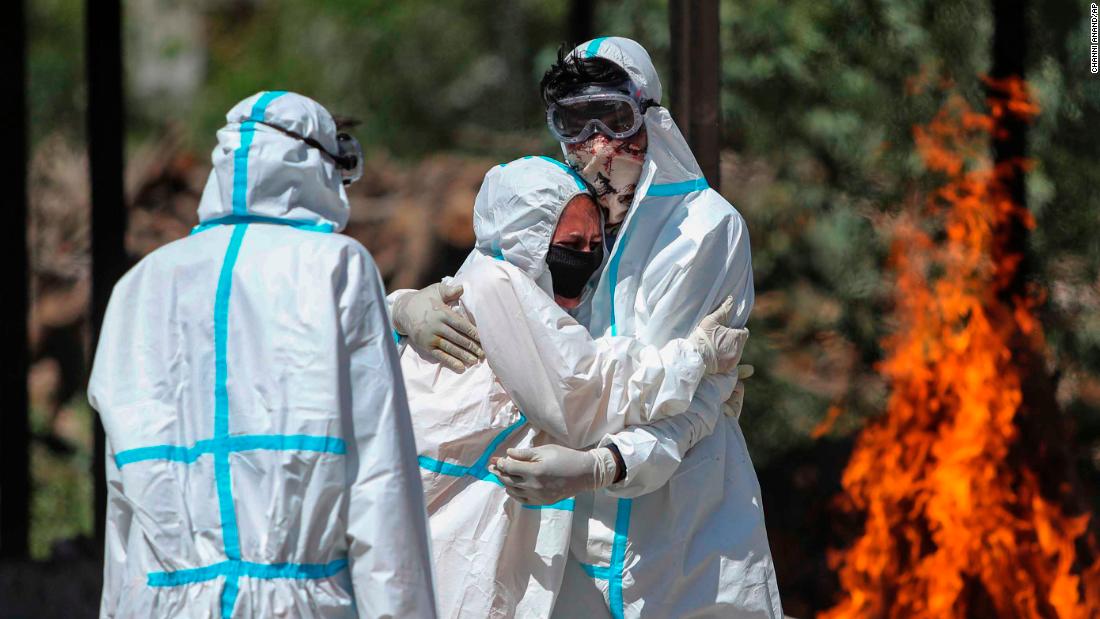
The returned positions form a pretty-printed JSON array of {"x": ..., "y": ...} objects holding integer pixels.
[
  {"x": 575, "y": 119},
  {"x": 348, "y": 158}
]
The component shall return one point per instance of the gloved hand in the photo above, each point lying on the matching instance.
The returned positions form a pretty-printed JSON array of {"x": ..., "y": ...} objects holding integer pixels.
[
  {"x": 436, "y": 329},
  {"x": 719, "y": 344},
  {"x": 732, "y": 406},
  {"x": 549, "y": 473}
]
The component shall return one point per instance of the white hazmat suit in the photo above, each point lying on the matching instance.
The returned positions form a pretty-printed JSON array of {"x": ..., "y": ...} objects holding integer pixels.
[
  {"x": 544, "y": 380},
  {"x": 683, "y": 535},
  {"x": 261, "y": 461}
]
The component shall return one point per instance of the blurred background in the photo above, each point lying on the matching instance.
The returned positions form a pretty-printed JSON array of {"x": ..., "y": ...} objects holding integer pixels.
[{"x": 822, "y": 105}]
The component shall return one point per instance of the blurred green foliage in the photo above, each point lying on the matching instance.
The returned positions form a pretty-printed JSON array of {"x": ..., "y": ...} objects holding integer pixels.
[
  {"x": 61, "y": 508},
  {"x": 416, "y": 73},
  {"x": 55, "y": 72}
]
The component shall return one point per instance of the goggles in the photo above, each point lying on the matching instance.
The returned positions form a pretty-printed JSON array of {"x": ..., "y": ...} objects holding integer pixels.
[
  {"x": 348, "y": 158},
  {"x": 575, "y": 119}
]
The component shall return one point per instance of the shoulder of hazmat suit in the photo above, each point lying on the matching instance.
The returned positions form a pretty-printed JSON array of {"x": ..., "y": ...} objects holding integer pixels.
[
  {"x": 494, "y": 556},
  {"x": 261, "y": 460},
  {"x": 693, "y": 541},
  {"x": 715, "y": 237}
]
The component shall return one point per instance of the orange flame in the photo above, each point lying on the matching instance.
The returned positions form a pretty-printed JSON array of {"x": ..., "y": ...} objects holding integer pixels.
[{"x": 953, "y": 528}]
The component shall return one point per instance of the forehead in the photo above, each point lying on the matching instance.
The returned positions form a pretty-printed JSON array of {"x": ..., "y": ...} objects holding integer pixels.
[
  {"x": 621, "y": 88},
  {"x": 581, "y": 215},
  {"x": 582, "y": 205}
]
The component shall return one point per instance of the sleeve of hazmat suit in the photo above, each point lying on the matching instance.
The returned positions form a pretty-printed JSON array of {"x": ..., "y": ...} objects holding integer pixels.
[
  {"x": 117, "y": 524},
  {"x": 652, "y": 453},
  {"x": 388, "y": 552},
  {"x": 568, "y": 384},
  {"x": 392, "y": 298}
]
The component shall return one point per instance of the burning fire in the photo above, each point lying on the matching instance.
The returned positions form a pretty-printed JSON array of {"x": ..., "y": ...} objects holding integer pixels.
[{"x": 956, "y": 525}]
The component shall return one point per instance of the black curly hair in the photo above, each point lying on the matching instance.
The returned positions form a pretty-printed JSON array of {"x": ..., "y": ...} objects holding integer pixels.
[{"x": 571, "y": 74}]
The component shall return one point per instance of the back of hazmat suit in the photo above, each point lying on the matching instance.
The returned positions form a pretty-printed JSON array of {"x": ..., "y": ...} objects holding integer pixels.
[
  {"x": 260, "y": 456},
  {"x": 493, "y": 556},
  {"x": 683, "y": 535}
]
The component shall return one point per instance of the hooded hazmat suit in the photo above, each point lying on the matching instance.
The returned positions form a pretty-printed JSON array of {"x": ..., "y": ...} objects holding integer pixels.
[
  {"x": 260, "y": 456},
  {"x": 544, "y": 380},
  {"x": 683, "y": 535}
]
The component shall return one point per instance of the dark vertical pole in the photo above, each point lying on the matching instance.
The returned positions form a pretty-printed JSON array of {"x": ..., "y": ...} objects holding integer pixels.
[
  {"x": 15, "y": 486},
  {"x": 1010, "y": 137},
  {"x": 103, "y": 19},
  {"x": 581, "y": 24},
  {"x": 695, "y": 79},
  {"x": 510, "y": 24}
]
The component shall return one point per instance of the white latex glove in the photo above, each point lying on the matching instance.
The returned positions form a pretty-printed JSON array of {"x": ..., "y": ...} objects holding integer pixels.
[
  {"x": 438, "y": 330},
  {"x": 549, "y": 473},
  {"x": 719, "y": 344},
  {"x": 732, "y": 406}
]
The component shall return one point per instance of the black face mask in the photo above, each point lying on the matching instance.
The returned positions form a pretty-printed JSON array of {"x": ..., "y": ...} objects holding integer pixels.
[{"x": 570, "y": 269}]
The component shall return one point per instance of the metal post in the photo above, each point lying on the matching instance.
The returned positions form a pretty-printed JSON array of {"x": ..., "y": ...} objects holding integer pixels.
[
  {"x": 1010, "y": 41},
  {"x": 695, "y": 79},
  {"x": 581, "y": 22},
  {"x": 103, "y": 20},
  {"x": 15, "y": 482}
]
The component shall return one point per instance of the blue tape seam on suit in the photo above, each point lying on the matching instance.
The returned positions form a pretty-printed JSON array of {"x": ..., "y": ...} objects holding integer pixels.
[
  {"x": 479, "y": 470},
  {"x": 240, "y": 156},
  {"x": 229, "y": 220},
  {"x": 241, "y": 442},
  {"x": 594, "y": 47},
  {"x": 236, "y": 569}
]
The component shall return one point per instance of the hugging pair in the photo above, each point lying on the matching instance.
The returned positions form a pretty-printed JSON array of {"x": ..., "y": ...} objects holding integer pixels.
[{"x": 582, "y": 462}]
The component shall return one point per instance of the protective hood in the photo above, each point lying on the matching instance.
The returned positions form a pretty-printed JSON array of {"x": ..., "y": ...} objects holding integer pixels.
[
  {"x": 260, "y": 172},
  {"x": 517, "y": 210},
  {"x": 671, "y": 180},
  {"x": 668, "y": 158}
]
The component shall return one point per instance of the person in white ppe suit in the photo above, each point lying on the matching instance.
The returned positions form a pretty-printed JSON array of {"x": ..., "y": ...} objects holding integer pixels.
[
  {"x": 544, "y": 380},
  {"x": 683, "y": 534},
  {"x": 260, "y": 455}
]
